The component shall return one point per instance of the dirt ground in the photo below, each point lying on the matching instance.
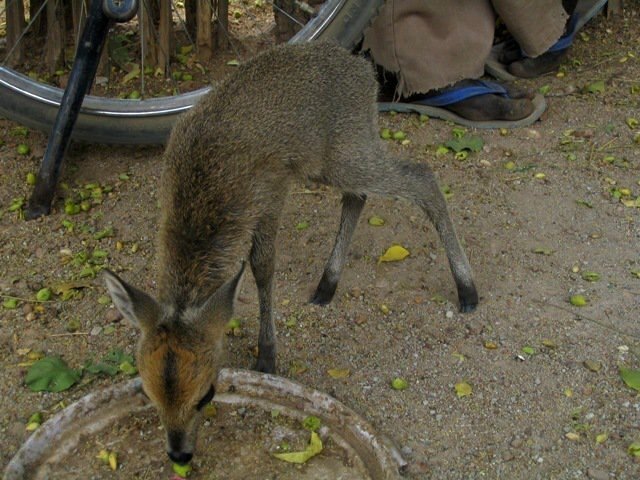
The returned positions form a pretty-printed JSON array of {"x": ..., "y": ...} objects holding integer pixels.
[{"x": 536, "y": 208}]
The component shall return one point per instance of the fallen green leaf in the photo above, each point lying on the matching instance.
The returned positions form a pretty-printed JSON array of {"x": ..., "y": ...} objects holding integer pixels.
[
  {"x": 596, "y": 87},
  {"x": 471, "y": 143},
  {"x": 302, "y": 225},
  {"x": 631, "y": 377},
  {"x": 592, "y": 365},
  {"x": 51, "y": 374},
  {"x": 104, "y": 233},
  {"x": 338, "y": 372},
  {"x": 584, "y": 203},
  {"x": 314, "y": 448}
]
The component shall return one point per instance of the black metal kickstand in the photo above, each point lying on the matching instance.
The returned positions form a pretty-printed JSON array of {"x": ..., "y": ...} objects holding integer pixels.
[{"x": 102, "y": 13}]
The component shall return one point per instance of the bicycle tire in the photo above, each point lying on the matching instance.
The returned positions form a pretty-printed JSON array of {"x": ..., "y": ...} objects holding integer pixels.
[{"x": 137, "y": 122}]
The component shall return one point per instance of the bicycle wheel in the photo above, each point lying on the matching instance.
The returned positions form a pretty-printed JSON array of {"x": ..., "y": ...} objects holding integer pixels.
[{"x": 124, "y": 121}]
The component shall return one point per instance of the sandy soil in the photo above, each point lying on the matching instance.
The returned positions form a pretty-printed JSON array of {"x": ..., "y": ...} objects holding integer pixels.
[{"x": 536, "y": 208}]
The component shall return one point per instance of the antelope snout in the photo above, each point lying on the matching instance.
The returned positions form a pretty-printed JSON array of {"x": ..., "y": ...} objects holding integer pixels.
[
  {"x": 178, "y": 447},
  {"x": 180, "y": 457}
]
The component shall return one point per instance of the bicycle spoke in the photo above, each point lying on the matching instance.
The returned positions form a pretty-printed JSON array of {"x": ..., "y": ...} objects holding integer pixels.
[{"x": 25, "y": 29}]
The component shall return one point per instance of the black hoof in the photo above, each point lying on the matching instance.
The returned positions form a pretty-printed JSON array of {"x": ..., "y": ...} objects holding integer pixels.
[
  {"x": 265, "y": 366},
  {"x": 266, "y": 360},
  {"x": 36, "y": 211},
  {"x": 468, "y": 307},
  {"x": 324, "y": 292},
  {"x": 468, "y": 298}
]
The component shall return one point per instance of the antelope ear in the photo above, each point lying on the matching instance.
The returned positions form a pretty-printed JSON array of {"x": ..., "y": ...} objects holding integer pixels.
[
  {"x": 137, "y": 307},
  {"x": 219, "y": 307}
]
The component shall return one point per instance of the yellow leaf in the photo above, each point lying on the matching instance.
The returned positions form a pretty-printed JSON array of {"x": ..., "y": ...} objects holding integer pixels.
[
  {"x": 376, "y": 221},
  {"x": 314, "y": 448},
  {"x": 103, "y": 456},
  {"x": 459, "y": 356},
  {"x": 572, "y": 436},
  {"x": 463, "y": 389},
  {"x": 394, "y": 253},
  {"x": 601, "y": 438},
  {"x": 490, "y": 345},
  {"x": 113, "y": 460},
  {"x": 338, "y": 372}
]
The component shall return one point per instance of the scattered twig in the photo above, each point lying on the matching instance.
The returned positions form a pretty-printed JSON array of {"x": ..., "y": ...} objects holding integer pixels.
[
  {"x": 307, "y": 192},
  {"x": 602, "y": 147},
  {"x": 69, "y": 334},
  {"x": 28, "y": 300},
  {"x": 589, "y": 319}
]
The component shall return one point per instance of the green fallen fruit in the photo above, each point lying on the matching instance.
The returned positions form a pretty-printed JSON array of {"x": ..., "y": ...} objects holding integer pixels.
[
  {"x": 32, "y": 426},
  {"x": 71, "y": 208},
  {"x": 634, "y": 449},
  {"x": 36, "y": 417},
  {"x": 31, "y": 178},
  {"x": 591, "y": 276},
  {"x": 233, "y": 323},
  {"x": 399, "y": 384},
  {"x": 578, "y": 300},
  {"x": 312, "y": 423},
  {"x": 399, "y": 135},
  {"x": 182, "y": 470},
  {"x": 385, "y": 133},
  {"x": 23, "y": 149},
  {"x": 103, "y": 456},
  {"x": 43, "y": 295},
  {"x": 10, "y": 303}
]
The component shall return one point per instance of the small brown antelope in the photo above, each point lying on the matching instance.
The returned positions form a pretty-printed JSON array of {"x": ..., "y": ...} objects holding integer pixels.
[{"x": 303, "y": 112}]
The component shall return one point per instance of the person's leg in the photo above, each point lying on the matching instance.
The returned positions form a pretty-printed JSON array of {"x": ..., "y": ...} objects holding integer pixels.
[
  {"x": 433, "y": 45},
  {"x": 538, "y": 46}
]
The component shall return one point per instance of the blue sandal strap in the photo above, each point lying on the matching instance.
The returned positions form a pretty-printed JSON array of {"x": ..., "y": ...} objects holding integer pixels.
[
  {"x": 566, "y": 40},
  {"x": 452, "y": 95}
]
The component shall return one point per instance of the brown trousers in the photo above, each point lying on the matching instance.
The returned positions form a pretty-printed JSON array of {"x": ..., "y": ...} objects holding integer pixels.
[{"x": 430, "y": 44}]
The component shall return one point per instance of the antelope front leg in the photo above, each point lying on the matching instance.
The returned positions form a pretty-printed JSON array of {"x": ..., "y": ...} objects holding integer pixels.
[
  {"x": 262, "y": 264},
  {"x": 352, "y": 205}
]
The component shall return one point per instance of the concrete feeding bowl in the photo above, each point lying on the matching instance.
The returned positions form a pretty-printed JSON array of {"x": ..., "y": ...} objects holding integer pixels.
[{"x": 58, "y": 437}]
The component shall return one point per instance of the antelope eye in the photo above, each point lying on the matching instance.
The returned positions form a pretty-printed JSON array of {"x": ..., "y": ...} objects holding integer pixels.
[{"x": 206, "y": 399}]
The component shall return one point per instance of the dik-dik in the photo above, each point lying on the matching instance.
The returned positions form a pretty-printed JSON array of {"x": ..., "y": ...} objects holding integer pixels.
[{"x": 294, "y": 113}]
